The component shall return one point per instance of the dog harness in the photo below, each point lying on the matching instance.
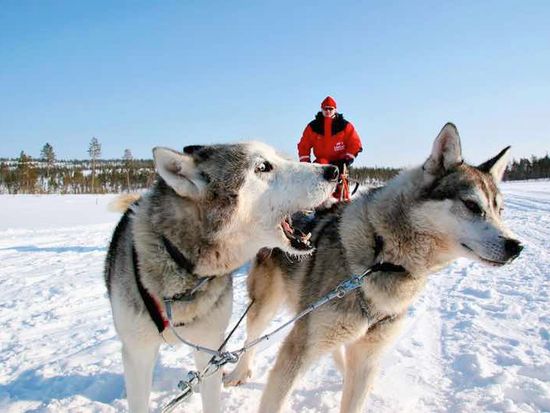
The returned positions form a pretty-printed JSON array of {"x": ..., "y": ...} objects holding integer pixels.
[
  {"x": 384, "y": 267},
  {"x": 380, "y": 266},
  {"x": 151, "y": 304}
]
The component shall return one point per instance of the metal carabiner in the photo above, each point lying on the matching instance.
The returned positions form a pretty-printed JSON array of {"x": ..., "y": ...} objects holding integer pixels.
[
  {"x": 341, "y": 291},
  {"x": 187, "y": 388}
]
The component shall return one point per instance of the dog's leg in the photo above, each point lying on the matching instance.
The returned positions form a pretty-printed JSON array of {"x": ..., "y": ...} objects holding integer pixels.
[
  {"x": 139, "y": 360},
  {"x": 210, "y": 387},
  {"x": 295, "y": 356},
  {"x": 266, "y": 289},
  {"x": 362, "y": 358},
  {"x": 210, "y": 333},
  {"x": 339, "y": 359}
]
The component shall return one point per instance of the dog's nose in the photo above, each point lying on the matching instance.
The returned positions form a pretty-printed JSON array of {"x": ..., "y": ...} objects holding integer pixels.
[
  {"x": 512, "y": 247},
  {"x": 330, "y": 173}
]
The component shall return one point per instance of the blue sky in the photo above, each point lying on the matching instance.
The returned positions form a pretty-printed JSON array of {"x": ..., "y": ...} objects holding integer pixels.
[{"x": 172, "y": 73}]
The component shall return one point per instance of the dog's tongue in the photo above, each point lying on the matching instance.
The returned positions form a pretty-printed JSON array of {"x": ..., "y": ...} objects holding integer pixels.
[{"x": 286, "y": 226}]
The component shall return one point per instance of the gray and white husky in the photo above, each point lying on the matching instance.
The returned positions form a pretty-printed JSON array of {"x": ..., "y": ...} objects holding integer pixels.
[
  {"x": 420, "y": 221},
  {"x": 209, "y": 212}
]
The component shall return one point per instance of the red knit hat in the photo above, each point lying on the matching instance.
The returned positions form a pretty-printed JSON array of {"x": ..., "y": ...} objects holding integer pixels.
[{"x": 329, "y": 101}]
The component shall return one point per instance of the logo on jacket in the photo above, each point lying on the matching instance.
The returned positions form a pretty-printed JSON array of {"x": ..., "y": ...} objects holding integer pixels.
[{"x": 339, "y": 147}]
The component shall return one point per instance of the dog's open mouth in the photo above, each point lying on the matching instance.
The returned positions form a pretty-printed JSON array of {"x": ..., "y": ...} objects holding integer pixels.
[
  {"x": 483, "y": 259},
  {"x": 298, "y": 240}
]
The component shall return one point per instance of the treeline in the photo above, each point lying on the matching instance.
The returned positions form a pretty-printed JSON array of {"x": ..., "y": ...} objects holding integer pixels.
[
  {"x": 27, "y": 176},
  {"x": 534, "y": 168},
  {"x": 375, "y": 176},
  {"x": 47, "y": 175}
]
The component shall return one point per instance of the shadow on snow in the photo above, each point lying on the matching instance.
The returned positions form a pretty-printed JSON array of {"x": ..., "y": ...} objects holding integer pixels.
[
  {"x": 59, "y": 250},
  {"x": 103, "y": 387}
]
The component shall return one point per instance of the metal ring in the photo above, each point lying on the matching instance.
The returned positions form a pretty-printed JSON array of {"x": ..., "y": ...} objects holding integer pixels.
[{"x": 340, "y": 292}]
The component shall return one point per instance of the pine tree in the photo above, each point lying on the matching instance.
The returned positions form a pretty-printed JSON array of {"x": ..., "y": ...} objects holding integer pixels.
[
  {"x": 8, "y": 178},
  {"x": 48, "y": 155},
  {"x": 128, "y": 163},
  {"x": 26, "y": 173},
  {"x": 94, "y": 150}
]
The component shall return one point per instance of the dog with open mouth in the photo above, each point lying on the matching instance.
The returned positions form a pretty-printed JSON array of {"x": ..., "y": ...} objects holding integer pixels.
[{"x": 208, "y": 213}]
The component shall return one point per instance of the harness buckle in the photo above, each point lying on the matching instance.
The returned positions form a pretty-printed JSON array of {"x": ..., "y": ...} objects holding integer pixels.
[
  {"x": 187, "y": 295},
  {"x": 191, "y": 381},
  {"x": 187, "y": 388}
]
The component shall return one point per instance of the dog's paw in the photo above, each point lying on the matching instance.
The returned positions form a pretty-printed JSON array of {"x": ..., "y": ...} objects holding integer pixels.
[{"x": 236, "y": 377}]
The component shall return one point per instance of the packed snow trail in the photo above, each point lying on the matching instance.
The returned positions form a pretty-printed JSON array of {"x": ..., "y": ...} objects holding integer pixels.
[{"x": 477, "y": 339}]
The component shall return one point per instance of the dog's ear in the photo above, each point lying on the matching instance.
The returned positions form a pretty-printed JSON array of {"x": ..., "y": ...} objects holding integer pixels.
[
  {"x": 199, "y": 152},
  {"x": 497, "y": 165},
  {"x": 446, "y": 151},
  {"x": 179, "y": 171},
  {"x": 191, "y": 149}
]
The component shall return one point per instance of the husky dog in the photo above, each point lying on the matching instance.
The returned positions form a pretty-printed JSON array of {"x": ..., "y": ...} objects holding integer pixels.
[
  {"x": 419, "y": 222},
  {"x": 209, "y": 211}
]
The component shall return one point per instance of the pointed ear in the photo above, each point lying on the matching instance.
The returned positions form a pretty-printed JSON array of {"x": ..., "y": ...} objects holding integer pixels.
[
  {"x": 497, "y": 165},
  {"x": 179, "y": 171},
  {"x": 446, "y": 151}
]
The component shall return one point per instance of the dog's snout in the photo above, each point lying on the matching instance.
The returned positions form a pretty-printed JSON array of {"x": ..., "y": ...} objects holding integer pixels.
[
  {"x": 330, "y": 173},
  {"x": 512, "y": 247}
]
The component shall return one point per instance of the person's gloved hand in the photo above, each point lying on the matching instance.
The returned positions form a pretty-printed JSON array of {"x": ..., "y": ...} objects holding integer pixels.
[{"x": 348, "y": 160}]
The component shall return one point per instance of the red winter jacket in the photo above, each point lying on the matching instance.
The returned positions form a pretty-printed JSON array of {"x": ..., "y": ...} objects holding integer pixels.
[{"x": 331, "y": 139}]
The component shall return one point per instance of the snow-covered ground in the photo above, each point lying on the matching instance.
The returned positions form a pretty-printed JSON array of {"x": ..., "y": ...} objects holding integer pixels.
[{"x": 478, "y": 339}]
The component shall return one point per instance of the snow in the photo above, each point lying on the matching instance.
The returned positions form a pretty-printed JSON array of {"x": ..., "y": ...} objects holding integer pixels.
[{"x": 477, "y": 339}]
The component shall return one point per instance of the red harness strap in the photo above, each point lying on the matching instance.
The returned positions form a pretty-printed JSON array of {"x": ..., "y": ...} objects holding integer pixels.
[{"x": 153, "y": 306}]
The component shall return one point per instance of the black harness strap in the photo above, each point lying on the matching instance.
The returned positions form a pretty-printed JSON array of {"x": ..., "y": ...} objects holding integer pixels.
[
  {"x": 387, "y": 267},
  {"x": 177, "y": 256},
  {"x": 150, "y": 303},
  {"x": 183, "y": 262},
  {"x": 378, "y": 245},
  {"x": 378, "y": 267}
]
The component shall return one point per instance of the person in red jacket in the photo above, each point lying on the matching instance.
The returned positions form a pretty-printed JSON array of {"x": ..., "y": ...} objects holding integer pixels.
[{"x": 333, "y": 139}]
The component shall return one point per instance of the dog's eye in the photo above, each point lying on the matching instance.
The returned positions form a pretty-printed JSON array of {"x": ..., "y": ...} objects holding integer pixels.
[
  {"x": 264, "y": 167},
  {"x": 473, "y": 207}
]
